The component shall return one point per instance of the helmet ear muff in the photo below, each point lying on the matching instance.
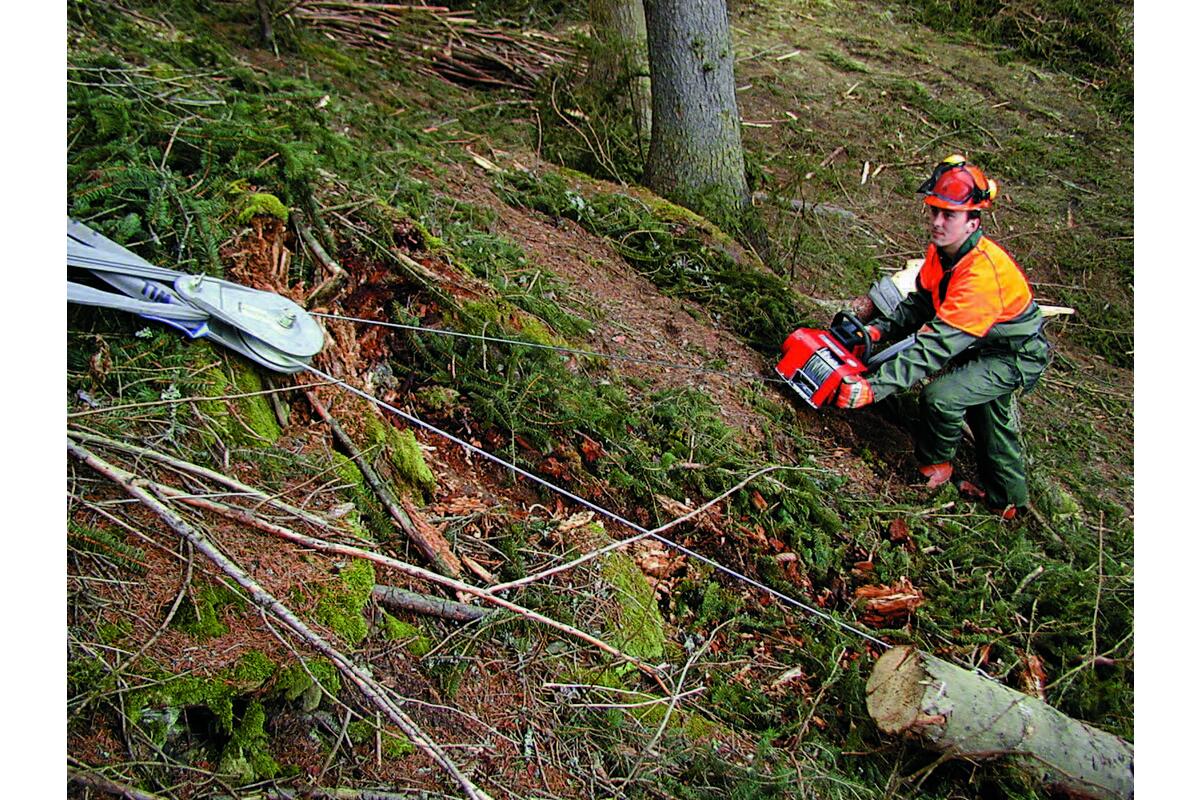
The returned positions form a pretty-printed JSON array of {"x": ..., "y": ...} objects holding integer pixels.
[{"x": 983, "y": 189}]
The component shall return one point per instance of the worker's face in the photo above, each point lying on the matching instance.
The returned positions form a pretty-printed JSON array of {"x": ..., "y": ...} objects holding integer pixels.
[{"x": 949, "y": 229}]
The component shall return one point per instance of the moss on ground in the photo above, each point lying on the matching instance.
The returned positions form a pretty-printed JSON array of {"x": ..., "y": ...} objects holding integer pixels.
[
  {"x": 403, "y": 452},
  {"x": 202, "y": 610},
  {"x": 394, "y": 744},
  {"x": 414, "y": 639},
  {"x": 161, "y": 712},
  {"x": 308, "y": 682},
  {"x": 246, "y": 421},
  {"x": 634, "y": 625},
  {"x": 340, "y": 604}
]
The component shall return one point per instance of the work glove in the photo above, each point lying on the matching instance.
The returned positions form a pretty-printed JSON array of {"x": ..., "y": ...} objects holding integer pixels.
[
  {"x": 854, "y": 392},
  {"x": 875, "y": 332}
]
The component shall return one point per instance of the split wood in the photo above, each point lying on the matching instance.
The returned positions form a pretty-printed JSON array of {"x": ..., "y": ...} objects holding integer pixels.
[
  {"x": 427, "y": 538},
  {"x": 366, "y": 684}
]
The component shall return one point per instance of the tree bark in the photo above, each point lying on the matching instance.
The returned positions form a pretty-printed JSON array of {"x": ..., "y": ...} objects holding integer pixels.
[
  {"x": 696, "y": 156},
  {"x": 969, "y": 716},
  {"x": 396, "y": 598},
  {"x": 620, "y": 65},
  {"x": 427, "y": 538},
  {"x": 266, "y": 33}
]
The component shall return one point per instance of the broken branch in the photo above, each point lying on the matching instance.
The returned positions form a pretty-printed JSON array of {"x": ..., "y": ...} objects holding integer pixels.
[
  {"x": 372, "y": 690},
  {"x": 426, "y": 537}
]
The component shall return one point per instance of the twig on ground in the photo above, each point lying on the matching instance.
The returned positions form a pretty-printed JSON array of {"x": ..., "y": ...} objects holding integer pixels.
[
  {"x": 428, "y": 539},
  {"x": 396, "y": 598},
  {"x": 373, "y": 691},
  {"x": 408, "y": 569},
  {"x": 630, "y": 540}
]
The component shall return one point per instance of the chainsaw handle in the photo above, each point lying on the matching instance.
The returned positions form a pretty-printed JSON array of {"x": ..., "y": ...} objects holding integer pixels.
[{"x": 859, "y": 328}]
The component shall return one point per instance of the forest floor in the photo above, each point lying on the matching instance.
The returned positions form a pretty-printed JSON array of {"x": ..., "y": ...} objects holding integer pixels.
[{"x": 180, "y": 687}]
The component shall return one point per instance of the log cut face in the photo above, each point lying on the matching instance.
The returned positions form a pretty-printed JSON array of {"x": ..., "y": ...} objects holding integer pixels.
[{"x": 969, "y": 715}]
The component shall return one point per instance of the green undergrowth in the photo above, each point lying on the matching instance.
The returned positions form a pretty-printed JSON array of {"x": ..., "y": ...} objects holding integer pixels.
[
  {"x": 340, "y": 604},
  {"x": 755, "y": 304},
  {"x": 167, "y": 172},
  {"x": 1091, "y": 39}
]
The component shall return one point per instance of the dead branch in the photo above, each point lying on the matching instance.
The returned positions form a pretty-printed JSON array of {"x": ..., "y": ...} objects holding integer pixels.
[
  {"x": 203, "y": 472},
  {"x": 411, "y": 570},
  {"x": 366, "y": 684},
  {"x": 442, "y": 43},
  {"x": 630, "y": 540},
  {"x": 328, "y": 288},
  {"x": 404, "y": 600},
  {"x": 427, "y": 538},
  {"x": 94, "y": 781}
]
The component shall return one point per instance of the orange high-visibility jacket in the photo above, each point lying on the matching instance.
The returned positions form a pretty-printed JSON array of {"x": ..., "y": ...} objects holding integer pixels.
[
  {"x": 983, "y": 298},
  {"x": 984, "y": 288}
]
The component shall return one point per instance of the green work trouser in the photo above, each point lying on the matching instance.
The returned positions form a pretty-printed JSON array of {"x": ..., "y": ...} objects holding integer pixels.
[{"x": 981, "y": 391}]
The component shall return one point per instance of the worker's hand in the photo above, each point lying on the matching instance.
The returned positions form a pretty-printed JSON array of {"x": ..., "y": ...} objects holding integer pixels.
[
  {"x": 854, "y": 392},
  {"x": 875, "y": 332}
]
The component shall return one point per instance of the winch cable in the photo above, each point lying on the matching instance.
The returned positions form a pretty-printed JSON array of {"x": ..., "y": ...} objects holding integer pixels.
[
  {"x": 537, "y": 345},
  {"x": 599, "y": 509}
]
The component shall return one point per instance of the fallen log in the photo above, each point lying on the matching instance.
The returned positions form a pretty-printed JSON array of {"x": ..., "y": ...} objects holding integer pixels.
[
  {"x": 396, "y": 598},
  {"x": 967, "y": 715},
  {"x": 427, "y": 538}
]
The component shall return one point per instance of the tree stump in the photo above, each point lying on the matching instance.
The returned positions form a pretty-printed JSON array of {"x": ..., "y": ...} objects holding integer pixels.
[{"x": 968, "y": 715}]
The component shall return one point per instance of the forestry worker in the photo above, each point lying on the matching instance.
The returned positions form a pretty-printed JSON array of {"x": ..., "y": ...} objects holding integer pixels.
[{"x": 973, "y": 312}]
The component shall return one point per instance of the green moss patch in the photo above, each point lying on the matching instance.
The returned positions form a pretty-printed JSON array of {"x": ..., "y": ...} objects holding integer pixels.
[
  {"x": 341, "y": 603},
  {"x": 394, "y": 744},
  {"x": 413, "y": 638}
]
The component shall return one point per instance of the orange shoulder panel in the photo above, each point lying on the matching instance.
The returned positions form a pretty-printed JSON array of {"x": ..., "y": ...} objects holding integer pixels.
[
  {"x": 987, "y": 287},
  {"x": 931, "y": 270}
]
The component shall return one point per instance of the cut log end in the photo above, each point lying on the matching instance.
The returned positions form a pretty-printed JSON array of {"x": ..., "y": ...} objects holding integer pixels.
[
  {"x": 894, "y": 690},
  {"x": 964, "y": 714}
]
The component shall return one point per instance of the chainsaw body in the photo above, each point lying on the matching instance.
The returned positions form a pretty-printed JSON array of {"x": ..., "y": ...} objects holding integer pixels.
[{"x": 815, "y": 361}]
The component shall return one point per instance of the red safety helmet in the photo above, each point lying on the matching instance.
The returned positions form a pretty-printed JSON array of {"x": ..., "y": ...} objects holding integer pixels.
[{"x": 958, "y": 186}]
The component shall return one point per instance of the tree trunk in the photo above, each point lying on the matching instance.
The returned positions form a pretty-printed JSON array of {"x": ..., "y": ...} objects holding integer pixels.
[
  {"x": 696, "y": 156},
  {"x": 969, "y": 716},
  {"x": 266, "y": 33},
  {"x": 620, "y": 66}
]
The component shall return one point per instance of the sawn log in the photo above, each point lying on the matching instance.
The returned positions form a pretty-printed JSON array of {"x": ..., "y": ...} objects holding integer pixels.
[{"x": 968, "y": 715}]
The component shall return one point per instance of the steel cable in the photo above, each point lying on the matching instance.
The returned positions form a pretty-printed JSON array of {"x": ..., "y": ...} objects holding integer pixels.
[
  {"x": 537, "y": 345},
  {"x": 600, "y": 510}
]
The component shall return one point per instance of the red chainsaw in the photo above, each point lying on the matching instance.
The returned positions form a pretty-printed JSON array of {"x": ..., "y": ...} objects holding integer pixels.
[{"x": 815, "y": 361}]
